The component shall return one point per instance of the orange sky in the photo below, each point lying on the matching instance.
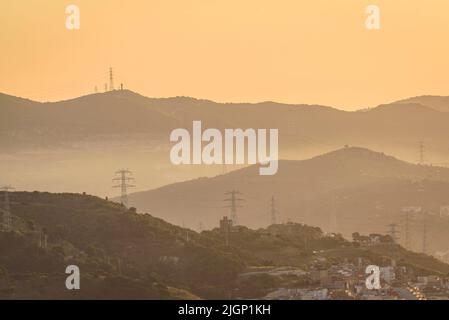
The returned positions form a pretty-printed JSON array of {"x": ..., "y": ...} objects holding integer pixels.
[{"x": 315, "y": 51}]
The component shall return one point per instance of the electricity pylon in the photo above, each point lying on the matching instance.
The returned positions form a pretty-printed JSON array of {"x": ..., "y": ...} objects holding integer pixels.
[
  {"x": 233, "y": 205},
  {"x": 424, "y": 236},
  {"x": 407, "y": 235},
  {"x": 111, "y": 80},
  {"x": 124, "y": 184}
]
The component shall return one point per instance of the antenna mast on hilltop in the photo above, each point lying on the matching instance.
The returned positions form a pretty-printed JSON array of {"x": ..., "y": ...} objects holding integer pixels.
[
  {"x": 123, "y": 179},
  {"x": 111, "y": 80},
  {"x": 7, "y": 220},
  {"x": 233, "y": 205}
]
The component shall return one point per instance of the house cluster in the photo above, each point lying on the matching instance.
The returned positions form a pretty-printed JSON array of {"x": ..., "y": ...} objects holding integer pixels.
[{"x": 347, "y": 280}]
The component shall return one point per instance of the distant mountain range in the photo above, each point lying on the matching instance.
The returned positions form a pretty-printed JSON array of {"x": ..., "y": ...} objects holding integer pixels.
[
  {"x": 305, "y": 130},
  {"x": 76, "y": 145},
  {"x": 348, "y": 189}
]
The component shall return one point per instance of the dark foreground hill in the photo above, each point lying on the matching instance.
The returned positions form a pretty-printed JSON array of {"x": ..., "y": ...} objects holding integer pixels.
[{"x": 122, "y": 254}]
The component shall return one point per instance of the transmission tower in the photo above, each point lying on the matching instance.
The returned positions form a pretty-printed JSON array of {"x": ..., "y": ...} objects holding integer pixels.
[
  {"x": 123, "y": 183},
  {"x": 393, "y": 232},
  {"x": 233, "y": 205},
  {"x": 273, "y": 210},
  {"x": 7, "y": 220},
  {"x": 424, "y": 236},
  {"x": 407, "y": 239},
  {"x": 111, "y": 80}
]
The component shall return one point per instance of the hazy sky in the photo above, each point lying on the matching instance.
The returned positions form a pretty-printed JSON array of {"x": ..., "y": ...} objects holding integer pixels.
[{"x": 315, "y": 51}]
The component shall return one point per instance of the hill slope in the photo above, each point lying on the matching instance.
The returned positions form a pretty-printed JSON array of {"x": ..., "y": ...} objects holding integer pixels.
[
  {"x": 125, "y": 115},
  {"x": 439, "y": 103},
  {"x": 364, "y": 190},
  {"x": 96, "y": 134},
  {"x": 122, "y": 254}
]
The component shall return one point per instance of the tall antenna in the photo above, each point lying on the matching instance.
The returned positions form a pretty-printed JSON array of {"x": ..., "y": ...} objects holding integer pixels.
[
  {"x": 123, "y": 183},
  {"x": 111, "y": 80},
  {"x": 273, "y": 210},
  {"x": 421, "y": 152},
  {"x": 233, "y": 205},
  {"x": 7, "y": 220}
]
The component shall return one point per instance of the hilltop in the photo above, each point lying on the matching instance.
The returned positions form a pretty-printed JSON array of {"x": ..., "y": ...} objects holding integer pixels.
[
  {"x": 125, "y": 115},
  {"x": 438, "y": 103},
  {"x": 366, "y": 191},
  {"x": 96, "y": 134}
]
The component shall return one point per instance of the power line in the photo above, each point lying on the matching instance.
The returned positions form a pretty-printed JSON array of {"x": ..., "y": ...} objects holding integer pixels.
[
  {"x": 233, "y": 205},
  {"x": 124, "y": 184}
]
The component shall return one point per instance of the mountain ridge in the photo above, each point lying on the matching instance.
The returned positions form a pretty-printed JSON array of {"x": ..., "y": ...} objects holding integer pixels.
[
  {"x": 192, "y": 100},
  {"x": 306, "y": 191}
]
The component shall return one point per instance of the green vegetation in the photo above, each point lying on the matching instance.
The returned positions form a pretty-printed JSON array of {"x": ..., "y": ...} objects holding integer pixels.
[{"x": 123, "y": 254}]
